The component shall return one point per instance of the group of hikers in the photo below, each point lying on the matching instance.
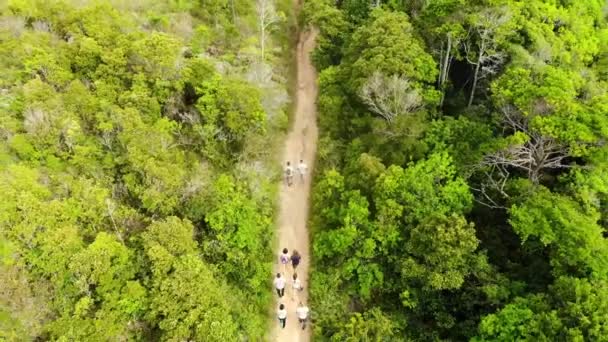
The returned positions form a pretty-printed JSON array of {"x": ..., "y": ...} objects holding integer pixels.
[
  {"x": 289, "y": 171},
  {"x": 302, "y": 311},
  {"x": 296, "y": 286}
]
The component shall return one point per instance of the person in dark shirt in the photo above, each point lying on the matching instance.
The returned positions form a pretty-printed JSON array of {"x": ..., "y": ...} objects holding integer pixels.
[{"x": 295, "y": 259}]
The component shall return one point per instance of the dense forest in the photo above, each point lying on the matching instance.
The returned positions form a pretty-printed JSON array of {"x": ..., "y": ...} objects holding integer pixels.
[
  {"x": 137, "y": 167},
  {"x": 460, "y": 193},
  {"x": 462, "y": 183}
]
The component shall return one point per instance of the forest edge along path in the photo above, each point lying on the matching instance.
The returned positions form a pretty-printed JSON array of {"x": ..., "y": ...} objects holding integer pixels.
[{"x": 294, "y": 201}]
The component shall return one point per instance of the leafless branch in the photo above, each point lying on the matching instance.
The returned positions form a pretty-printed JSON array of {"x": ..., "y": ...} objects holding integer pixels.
[
  {"x": 533, "y": 156},
  {"x": 390, "y": 96}
]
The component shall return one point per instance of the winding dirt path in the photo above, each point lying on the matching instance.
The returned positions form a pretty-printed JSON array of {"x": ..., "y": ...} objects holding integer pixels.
[{"x": 293, "y": 232}]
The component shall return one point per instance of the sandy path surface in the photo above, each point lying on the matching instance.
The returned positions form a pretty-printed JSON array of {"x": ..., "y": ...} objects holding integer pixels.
[{"x": 293, "y": 231}]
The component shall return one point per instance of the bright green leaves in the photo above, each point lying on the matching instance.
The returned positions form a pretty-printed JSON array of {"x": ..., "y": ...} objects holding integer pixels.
[
  {"x": 443, "y": 252},
  {"x": 560, "y": 34},
  {"x": 387, "y": 44},
  {"x": 424, "y": 189},
  {"x": 372, "y": 325},
  {"x": 550, "y": 97},
  {"x": 333, "y": 27},
  {"x": 230, "y": 111},
  {"x": 191, "y": 303},
  {"x": 50, "y": 66},
  {"x": 158, "y": 168},
  {"x": 425, "y": 201},
  {"x": 393, "y": 211},
  {"x": 575, "y": 239},
  {"x": 517, "y": 321},
  {"x": 352, "y": 222},
  {"x": 53, "y": 254},
  {"x": 114, "y": 119},
  {"x": 156, "y": 56},
  {"x": 236, "y": 237},
  {"x": 415, "y": 221},
  {"x": 186, "y": 298},
  {"x": 348, "y": 238},
  {"x": 461, "y": 138},
  {"x": 537, "y": 91},
  {"x": 574, "y": 310},
  {"x": 105, "y": 265},
  {"x": 173, "y": 234}
]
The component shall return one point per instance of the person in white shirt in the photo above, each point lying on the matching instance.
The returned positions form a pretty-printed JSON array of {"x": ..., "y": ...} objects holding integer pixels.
[
  {"x": 289, "y": 174},
  {"x": 282, "y": 315},
  {"x": 302, "y": 313},
  {"x": 279, "y": 284},
  {"x": 302, "y": 169},
  {"x": 296, "y": 287}
]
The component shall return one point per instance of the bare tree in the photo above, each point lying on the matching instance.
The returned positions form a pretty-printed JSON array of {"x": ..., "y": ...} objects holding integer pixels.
[
  {"x": 36, "y": 120},
  {"x": 389, "y": 96},
  {"x": 481, "y": 45},
  {"x": 533, "y": 156},
  {"x": 267, "y": 18}
]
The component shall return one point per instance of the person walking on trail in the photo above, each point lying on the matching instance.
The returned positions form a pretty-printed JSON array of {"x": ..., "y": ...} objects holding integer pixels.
[
  {"x": 284, "y": 259},
  {"x": 302, "y": 312},
  {"x": 282, "y": 315},
  {"x": 295, "y": 259},
  {"x": 289, "y": 174},
  {"x": 296, "y": 287},
  {"x": 302, "y": 169},
  {"x": 279, "y": 284}
]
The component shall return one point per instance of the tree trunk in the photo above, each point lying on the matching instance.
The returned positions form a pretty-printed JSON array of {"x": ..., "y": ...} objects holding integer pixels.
[
  {"x": 480, "y": 58},
  {"x": 263, "y": 39},
  {"x": 441, "y": 67},
  {"x": 474, "y": 83},
  {"x": 233, "y": 12},
  {"x": 444, "y": 69},
  {"x": 447, "y": 60}
]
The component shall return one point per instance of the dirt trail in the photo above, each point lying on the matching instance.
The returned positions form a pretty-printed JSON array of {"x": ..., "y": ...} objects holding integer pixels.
[{"x": 293, "y": 231}]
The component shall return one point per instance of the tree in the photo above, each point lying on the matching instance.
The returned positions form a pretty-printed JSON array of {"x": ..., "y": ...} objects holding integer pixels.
[
  {"x": 386, "y": 44},
  {"x": 389, "y": 96},
  {"x": 574, "y": 310},
  {"x": 186, "y": 299},
  {"x": 488, "y": 30},
  {"x": 442, "y": 252},
  {"x": 577, "y": 246},
  {"x": 442, "y": 23},
  {"x": 332, "y": 25},
  {"x": 372, "y": 325},
  {"x": 425, "y": 189},
  {"x": 268, "y": 18},
  {"x": 230, "y": 110}
]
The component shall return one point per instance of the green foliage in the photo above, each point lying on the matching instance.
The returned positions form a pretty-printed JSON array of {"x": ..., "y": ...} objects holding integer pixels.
[
  {"x": 230, "y": 111},
  {"x": 130, "y": 208},
  {"x": 422, "y": 190},
  {"x": 387, "y": 44},
  {"x": 578, "y": 246},
  {"x": 189, "y": 303},
  {"x": 472, "y": 225},
  {"x": 373, "y": 325},
  {"x": 333, "y": 26},
  {"x": 442, "y": 251},
  {"x": 574, "y": 310},
  {"x": 461, "y": 138}
]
